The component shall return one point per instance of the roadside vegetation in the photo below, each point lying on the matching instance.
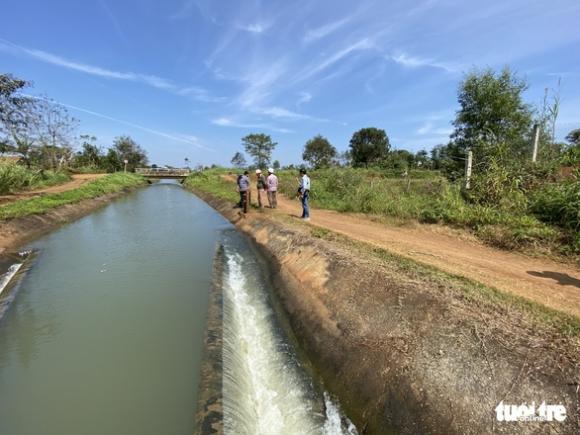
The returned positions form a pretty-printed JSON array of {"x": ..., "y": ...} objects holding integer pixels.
[
  {"x": 16, "y": 178},
  {"x": 106, "y": 185}
]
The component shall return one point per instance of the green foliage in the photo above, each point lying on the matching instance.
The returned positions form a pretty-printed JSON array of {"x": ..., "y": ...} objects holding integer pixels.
[
  {"x": 559, "y": 204},
  {"x": 213, "y": 181},
  {"x": 125, "y": 148},
  {"x": 238, "y": 160},
  {"x": 369, "y": 146},
  {"x": 15, "y": 178},
  {"x": 260, "y": 147},
  {"x": 574, "y": 137},
  {"x": 319, "y": 152},
  {"x": 491, "y": 112},
  {"x": 42, "y": 204}
]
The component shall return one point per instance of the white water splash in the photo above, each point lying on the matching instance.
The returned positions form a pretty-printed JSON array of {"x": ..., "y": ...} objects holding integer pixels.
[
  {"x": 7, "y": 277},
  {"x": 263, "y": 389}
]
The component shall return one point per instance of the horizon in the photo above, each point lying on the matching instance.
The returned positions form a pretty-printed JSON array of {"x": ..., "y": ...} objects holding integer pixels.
[{"x": 190, "y": 78}]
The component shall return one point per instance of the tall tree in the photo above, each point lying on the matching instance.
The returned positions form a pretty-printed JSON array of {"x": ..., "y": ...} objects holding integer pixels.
[
  {"x": 260, "y": 147},
  {"x": 126, "y": 148},
  {"x": 369, "y": 146},
  {"x": 55, "y": 134},
  {"x": 574, "y": 137},
  {"x": 492, "y": 114},
  {"x": 238, "y": 160},
  {"x": 319, "y": 152},
  {"x": 90, "y": 154}
]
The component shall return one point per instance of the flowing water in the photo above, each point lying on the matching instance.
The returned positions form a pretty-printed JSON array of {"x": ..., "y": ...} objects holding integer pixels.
[{"x": 105, "y": 333}]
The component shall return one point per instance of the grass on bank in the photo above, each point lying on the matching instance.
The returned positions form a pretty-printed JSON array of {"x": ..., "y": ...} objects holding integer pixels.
[
  {"x": 42, "y": 204},
  {"x": 15, "y": 178},
  {"x": 426, "y": 197}
]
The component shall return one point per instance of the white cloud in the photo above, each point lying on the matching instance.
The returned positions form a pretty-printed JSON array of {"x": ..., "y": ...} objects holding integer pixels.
[
  {"x": 362, "y": 45},
  {"x": 178, "y": 137},
  {"x": 197, "y": 93},
  {"x": 429, "y": 129},
  {"x": 321, "y": 32},
  {"x": 415, "y": 62},
  {"x": 228, "y": 122},
  {"x": 305, "y": 97},
  {"x": 255, "y": 28}
]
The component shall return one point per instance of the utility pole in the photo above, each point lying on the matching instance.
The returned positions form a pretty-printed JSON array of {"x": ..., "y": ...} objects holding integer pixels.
[
  {"x": 536, "y": 142},
  {"x": 468, "y": 167}
]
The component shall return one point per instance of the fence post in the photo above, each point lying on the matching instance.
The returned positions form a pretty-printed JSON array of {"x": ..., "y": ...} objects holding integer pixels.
[
  {"x": 536, "y": 142},
  {"x": 468, "y": 167}
]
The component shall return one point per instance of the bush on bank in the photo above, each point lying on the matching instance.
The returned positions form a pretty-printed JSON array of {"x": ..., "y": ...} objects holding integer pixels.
[
  {"x": 38, "y": 205},
  {"x": 15, "y": 178}
]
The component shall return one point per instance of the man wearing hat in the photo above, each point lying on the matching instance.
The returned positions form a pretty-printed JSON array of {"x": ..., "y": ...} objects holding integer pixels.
[
  {"x": 261, "y": 185},
  {"x": 272, "y": 185}
]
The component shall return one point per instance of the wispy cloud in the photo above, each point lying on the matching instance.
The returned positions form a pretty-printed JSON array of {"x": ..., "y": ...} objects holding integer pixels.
[
  {"x": 304, "y": 97},
  {"x": 197, "y": 93},
  {"x": 256, "y": 27},
  {"x": 228, "y": 122},
  {"x": 409, "y": 61},
  {"x": 362, "y": 45},
  {"x": 178, "y": 137},
  {"x": 323, "y": 31},
  {"x": 428, "y": 128}
]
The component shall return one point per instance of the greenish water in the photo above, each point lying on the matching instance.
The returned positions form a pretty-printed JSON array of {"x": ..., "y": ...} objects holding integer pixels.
[{"x": 105, "y": 333}]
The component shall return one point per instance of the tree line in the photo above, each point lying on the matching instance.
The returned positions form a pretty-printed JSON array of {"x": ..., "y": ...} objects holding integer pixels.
[
  {"x": 493, "y": 122},
  {"x": 42, "y": 133}
]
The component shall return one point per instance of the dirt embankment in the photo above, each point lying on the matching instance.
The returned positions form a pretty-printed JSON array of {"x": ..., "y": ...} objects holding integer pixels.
[
  {"x": 408, "y": 350},
  {"x": 16, "y": 232}
]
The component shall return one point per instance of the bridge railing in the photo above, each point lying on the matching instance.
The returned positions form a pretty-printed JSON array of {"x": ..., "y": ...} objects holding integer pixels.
[{"x": 173, "y": 172}]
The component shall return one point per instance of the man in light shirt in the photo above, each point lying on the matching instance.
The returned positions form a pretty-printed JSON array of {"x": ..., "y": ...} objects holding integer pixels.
[
  {"x": 272, "y": 185},
  {"x": 304, "y": 194}
]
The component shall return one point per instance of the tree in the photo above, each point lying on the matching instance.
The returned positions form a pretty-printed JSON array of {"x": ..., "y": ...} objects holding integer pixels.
[
  {"x": 125, "y": 148},
  {"x": 91, "y": 155},
  {"x": 260, "y": 147},
  {"x": 18, "y": 117},
  {"x": 492, "y": 113},
  {"x": 238, "y": 160},
  {"x": 574, "y": 137},
  {"x": 422, "y": 159},
  {"x": 369, "y": 146},
  {"x": 276, "y": 165},
  {"x": 319, "y": 152},
  {"x": 55, "y": 134}
]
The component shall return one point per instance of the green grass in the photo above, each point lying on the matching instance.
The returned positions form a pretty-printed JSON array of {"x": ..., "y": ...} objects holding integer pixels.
[
  {"x": 15, "y": 178},
  {"x": 42, "y": 204},
  {"x": 430, "y": 199},
  {"x": 213, "y": 181},
  {"x": 426, "y": 197}
]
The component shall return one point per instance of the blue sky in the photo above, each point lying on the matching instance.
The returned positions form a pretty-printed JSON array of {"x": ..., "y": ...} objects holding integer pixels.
[{"x": 190, "y": 78}]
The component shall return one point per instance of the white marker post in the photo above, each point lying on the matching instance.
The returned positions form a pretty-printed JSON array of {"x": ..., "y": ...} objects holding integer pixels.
[{"x": 125, "y": 162}]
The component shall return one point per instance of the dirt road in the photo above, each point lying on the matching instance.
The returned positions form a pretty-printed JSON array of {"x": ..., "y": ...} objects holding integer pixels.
[
  {"x": 547, "y": 282},
  {"x": 77, "y": 181}
]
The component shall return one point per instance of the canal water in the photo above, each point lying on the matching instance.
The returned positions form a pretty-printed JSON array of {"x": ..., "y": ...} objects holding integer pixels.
[{"x": 105, "y": 333}]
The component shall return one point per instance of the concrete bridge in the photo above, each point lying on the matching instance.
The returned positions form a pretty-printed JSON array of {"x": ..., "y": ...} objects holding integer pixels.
[{"x": 159, "y": 173}]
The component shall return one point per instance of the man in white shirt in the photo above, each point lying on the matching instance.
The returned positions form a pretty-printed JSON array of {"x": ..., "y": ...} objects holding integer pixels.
[
  {"x": 304, "y": 194},
  {"x": 272, "y": 186}
]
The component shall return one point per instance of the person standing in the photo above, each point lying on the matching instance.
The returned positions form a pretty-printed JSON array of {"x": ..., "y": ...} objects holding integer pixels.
[
  {"x": 304, "y": 194},
  {"x": 261, "y": 185},
  {"x": 272, "y": 184},
  {"x": 244, "y": 188}
]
